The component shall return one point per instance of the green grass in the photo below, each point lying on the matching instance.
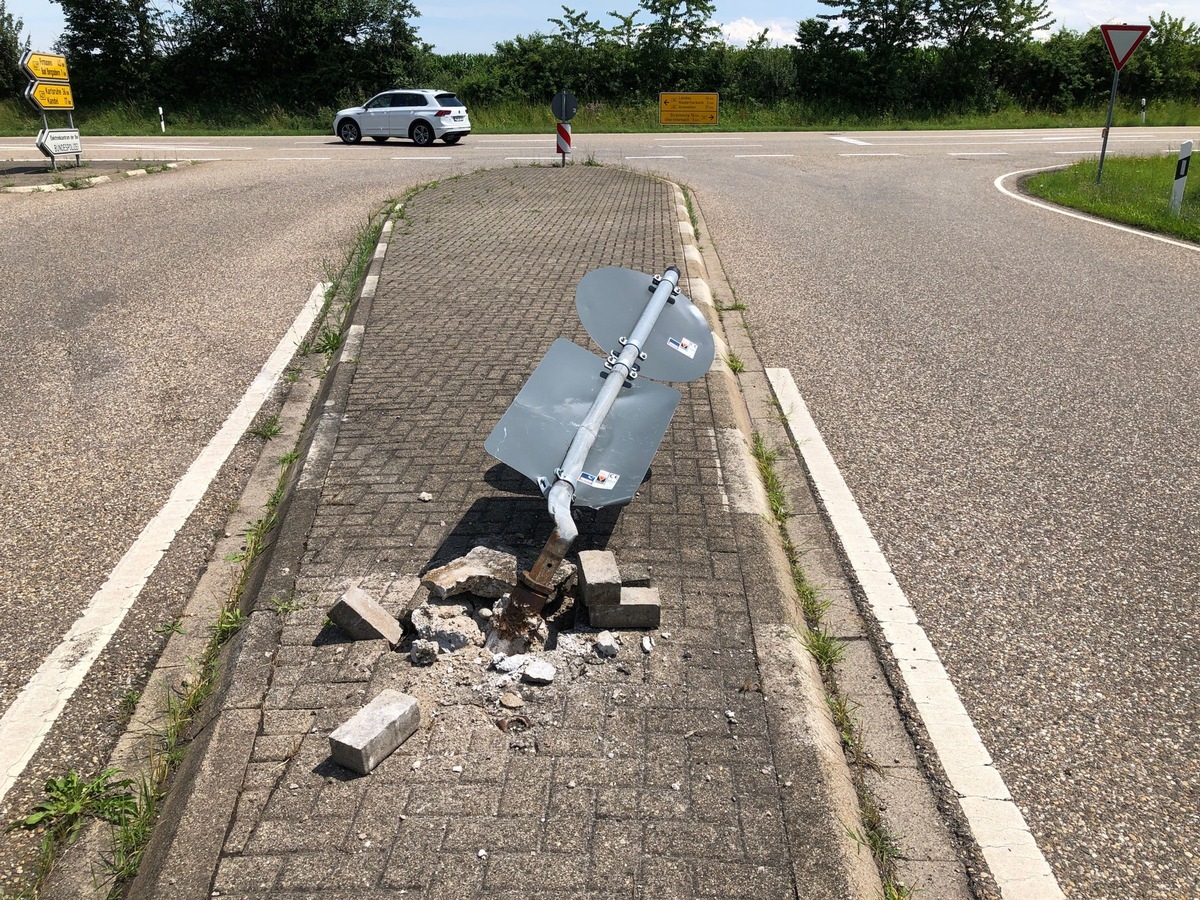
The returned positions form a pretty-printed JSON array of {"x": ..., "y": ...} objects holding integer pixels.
[
  {"x": 512, "y": 117},
  {"x": 1135, "y": 190}
]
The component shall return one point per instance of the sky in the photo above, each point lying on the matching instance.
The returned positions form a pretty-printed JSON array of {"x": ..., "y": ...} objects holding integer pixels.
[{"x": 476, "y": 25}]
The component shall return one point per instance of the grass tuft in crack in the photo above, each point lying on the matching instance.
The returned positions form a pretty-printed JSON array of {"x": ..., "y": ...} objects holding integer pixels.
[{"x": 827, "y": 650}]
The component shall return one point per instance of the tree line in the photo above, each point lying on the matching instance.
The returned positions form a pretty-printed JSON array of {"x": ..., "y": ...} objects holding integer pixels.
[{"x": 866, "y": 57}]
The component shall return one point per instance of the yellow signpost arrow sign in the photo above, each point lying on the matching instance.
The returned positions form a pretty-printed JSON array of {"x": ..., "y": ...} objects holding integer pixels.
[
  {"x": 44, "y": 67},
  {"x": 687, "y": 109},
  {"x": 47, "y": 95}
]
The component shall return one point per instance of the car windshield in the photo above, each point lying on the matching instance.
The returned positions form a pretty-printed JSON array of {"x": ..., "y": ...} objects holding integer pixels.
[{"x": 448, "y": 100}]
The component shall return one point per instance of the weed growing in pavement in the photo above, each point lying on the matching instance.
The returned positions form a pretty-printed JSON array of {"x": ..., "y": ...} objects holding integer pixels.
[
  {"x": 691, "y": 210},
  {"x": 268, "y": 428},
  {"x": 736, "y": 366},
  {"x": 286, "y": 604},
  {"x": 170, "y": 628},
  {"x": 71, "y": 801},
  {"x": 827, "y": 650}
]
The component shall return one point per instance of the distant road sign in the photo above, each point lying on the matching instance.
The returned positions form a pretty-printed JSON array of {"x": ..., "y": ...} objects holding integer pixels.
[
  {"x": 59, "y": 142},
  {"x": 1122, "y": 40},
  {"x": 687, "y": 109},
  {"x": 44, "y": 67},
  {"x": 564, "y": 106},
  {"x": 47, "y": 95}
]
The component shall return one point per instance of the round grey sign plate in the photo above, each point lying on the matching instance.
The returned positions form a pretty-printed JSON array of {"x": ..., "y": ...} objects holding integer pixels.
[{"x": 564, "y": 106}]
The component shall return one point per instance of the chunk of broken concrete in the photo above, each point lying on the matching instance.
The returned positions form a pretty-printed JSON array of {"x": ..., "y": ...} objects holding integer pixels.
[
  {"x": 539, "y": 672},
  {"x": 606, "y": 644},
  {"x": 451, "y": 625},
  {"x": 482, "y": 572},
  {"x": 362, "y": 618},
  {"x": 639, "y": 608},
  {"x": 375, "y": 731},
  {"x": 424, "y": 653},
  {"x": 509, "y": 664}
]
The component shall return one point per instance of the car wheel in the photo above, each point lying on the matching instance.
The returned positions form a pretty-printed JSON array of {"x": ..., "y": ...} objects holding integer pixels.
[
  {"x": 349, "y": 131},
  {"x": 422, "y": 134},
  {"x": 452, "y": 138},
  {"x": 379, "y": 140}
]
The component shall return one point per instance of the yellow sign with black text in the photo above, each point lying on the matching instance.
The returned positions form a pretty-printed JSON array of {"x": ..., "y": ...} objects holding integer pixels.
[
  {"x": 45, "y": 67},
  {"x": 688, "y": 109},
  {"x": 46, "y": 95}
]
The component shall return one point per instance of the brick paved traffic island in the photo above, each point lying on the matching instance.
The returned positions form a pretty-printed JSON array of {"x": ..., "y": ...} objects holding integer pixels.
[{"x": 663, "y": 771}]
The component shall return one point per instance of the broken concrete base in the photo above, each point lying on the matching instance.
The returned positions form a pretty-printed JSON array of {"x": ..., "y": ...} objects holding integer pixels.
[
  {"x": 375, "y": 731},
  {"x": 483, "y": 572},
  {"x": 357, "y": 614}
]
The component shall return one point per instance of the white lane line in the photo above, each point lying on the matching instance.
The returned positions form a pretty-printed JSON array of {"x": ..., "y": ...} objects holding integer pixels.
[
  {"x": 763, "y": 155},
  {"x": 512, "y": 140},
  {"x": 422, "y": 157},
  {"x": 162, "y": 148},
  {"x": 529, "y": 158},
  {"x": 697, "y": 140},
  {"x": 1076, "y": 152},
  {"x": 28, "y": 720},
  {"x": 870, "y": 154},
  {"x": 656, "y": 157},
  {"x": 1012, "y": 854},
  {"x": 299, "y": 158},
  {"x": 999, "y": 185},
  {"x": 977, "y": 153},
  {"x": 851, "y": 141}
]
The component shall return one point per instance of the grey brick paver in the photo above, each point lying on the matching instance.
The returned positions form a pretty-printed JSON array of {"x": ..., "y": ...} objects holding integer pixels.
[{"x": 631, "y": 780}]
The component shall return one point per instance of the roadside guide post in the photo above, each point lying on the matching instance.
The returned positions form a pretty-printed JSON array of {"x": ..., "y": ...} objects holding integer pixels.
[
  {"x": 564, "y": 106},
  {"x": 1181, "y": 173},
  {"x": 1143, "y": 110},
  {"x": 585, "y": 429},
  {"x": 50, "y": 90},
  {"x": 1121, "y": 41}
]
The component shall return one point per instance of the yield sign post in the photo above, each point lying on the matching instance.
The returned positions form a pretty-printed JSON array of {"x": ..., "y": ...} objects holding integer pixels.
[{"x": 1121, "y": 41}]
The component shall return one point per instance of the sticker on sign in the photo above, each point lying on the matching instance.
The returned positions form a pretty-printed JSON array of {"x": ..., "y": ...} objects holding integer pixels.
[{"x": 59, "y": 142}]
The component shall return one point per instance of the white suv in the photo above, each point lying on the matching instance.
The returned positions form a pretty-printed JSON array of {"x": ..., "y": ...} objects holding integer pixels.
[{"x": 422, "y": 115}]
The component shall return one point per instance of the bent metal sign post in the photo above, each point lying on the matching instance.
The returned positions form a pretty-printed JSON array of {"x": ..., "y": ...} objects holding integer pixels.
[{"x": 50, "y": 91}]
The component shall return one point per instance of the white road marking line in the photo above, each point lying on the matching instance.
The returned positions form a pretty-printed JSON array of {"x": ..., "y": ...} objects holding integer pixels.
[
  {"x": 162, "y": 148},
  {"x": 656, "y": 157},
  {"x": 35, "y": 710},
  {"x": 513, "y": 140},
  {"x": 870, "y": 154},
  {"x": 422, "y": 157},
  {"x": 696, "y": 140},
  {"x": 977, "y": 153},
  {"x": 1011, "y": 852},
  {"x": 851, "y": 141},
  {"x": 299, "y": 158},
  {"x": 763, "y": 155},
  {"x": 999, "y": 185},
  {"x": 529, "y": 158},
  {"x": 1075, "y": 152}
]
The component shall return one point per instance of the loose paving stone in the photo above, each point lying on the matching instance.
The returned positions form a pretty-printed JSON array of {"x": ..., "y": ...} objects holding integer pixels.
[
  {"x": 599, "y": 578},
  {"x": 360, "y": 616},
  {"x": 639, "y": 608},
  {"x": 375, "y": 731}
]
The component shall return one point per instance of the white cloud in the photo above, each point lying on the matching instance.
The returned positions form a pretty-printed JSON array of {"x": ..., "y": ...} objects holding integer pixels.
[{"x": 780, "y": 32}]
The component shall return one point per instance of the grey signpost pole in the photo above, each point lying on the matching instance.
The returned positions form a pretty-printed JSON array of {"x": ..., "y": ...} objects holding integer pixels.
[{"x": 1112, "y": 100}]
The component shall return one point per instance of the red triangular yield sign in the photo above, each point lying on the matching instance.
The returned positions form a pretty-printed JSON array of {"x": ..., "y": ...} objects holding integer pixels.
[{"x": 1122, "y": 40}]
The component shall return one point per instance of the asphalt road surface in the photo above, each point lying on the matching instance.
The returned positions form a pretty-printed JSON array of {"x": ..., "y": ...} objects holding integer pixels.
[{"x": 1010, "y": 393}]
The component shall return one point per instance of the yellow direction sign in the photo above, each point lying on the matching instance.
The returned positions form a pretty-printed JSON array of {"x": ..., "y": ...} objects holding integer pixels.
[
  {"x": 44, "y": 67},
  {"x": 47, "y": 95},
  {"x": 687, "y": 109}
]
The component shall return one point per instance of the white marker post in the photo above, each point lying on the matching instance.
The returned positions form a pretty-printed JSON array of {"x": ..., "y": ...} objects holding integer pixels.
[
  {"x": 162, "y": 123},
  {"x": 1181, "y": 170}
]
